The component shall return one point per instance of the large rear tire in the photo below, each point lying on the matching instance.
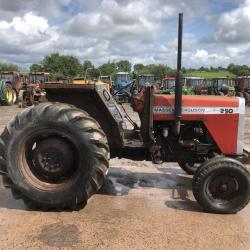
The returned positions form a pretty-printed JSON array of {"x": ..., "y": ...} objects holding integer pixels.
[
  {"x": 222, "y": 185},
  {"x": 8, "y": 95},
  {"x": 56, "y": 156}
]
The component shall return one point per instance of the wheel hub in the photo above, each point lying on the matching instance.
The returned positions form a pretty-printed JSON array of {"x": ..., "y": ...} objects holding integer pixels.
[
  {"x": 53, "y": 158},
  {"x": 223, "y": 187},
  {"x": 51, "y": 161}
]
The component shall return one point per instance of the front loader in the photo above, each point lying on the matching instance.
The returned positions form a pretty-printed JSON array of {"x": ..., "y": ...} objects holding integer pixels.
[{"x": 56, "y": 155}]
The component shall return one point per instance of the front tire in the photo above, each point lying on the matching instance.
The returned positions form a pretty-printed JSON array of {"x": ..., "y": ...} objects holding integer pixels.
[
  {"x": 56, "y": 156},
  {"x": 222, "y": 185}
]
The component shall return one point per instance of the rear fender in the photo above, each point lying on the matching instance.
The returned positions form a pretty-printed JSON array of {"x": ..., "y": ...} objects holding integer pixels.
[{"x": 97, "y": 101}]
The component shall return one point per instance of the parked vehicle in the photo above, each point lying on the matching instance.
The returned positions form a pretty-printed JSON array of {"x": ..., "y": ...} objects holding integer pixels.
[
  {"x": 87, "y": 78},
  {"x": 168, "y": 86},
  {"x": 194, "y": 84},
  {"x": 38, "y": 77},
  {"x": 31, "y": 93},
  {"x": 11, "y": 83},
  {"x": 220, "y": 86},
  {"x": 142, "y": 80},
  {"x": 56, "y": 155},
  {"x": 122, "y": 86},
  {"x": 243, "y": 88}
]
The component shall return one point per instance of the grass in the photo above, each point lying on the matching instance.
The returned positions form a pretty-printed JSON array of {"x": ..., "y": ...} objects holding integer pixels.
[{"x": 210, "y": 74}]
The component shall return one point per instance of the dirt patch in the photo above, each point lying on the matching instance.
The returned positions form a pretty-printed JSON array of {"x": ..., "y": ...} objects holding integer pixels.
[{"x": 59, "y": 235}]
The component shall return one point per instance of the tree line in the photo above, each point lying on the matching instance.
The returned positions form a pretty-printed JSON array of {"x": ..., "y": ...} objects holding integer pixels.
[
  {"x": 8, "y": 67},
  {"x": 69, "y": 66}
]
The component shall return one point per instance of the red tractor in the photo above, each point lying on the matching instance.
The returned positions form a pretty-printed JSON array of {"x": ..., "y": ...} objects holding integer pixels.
[
  {"x": 56, "y": 155},
  {"x": 243, "y": 88},
  {"x": 11, "y": 82},
  {"x": 31, "y": 93},
  {"x": 168, "y": 85}
]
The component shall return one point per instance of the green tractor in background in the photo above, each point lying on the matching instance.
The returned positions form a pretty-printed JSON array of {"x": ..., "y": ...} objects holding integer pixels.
[
  {"x": 168, "y": 86},
  {"x": 212, "y": 86},
  {"x": 193, "y": 84},
  {"x": 10, "y": 84},
  {"x": 221, "y": 86}
]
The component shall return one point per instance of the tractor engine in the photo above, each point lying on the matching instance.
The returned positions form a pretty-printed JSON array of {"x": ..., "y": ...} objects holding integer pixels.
[
  {"x": 210, "y": 125},
  {"x": 194, "y": 144}
]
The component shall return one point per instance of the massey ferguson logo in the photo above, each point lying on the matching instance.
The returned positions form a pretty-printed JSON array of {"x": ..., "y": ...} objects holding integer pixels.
[
  {"x": 196, "y": 110},
  {"x": 226, "y": 111},
  {"x": 167, "y": 110}
]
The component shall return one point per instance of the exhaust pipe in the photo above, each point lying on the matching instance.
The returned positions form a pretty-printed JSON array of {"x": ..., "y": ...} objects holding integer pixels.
[{"x": 178, "y": 85}]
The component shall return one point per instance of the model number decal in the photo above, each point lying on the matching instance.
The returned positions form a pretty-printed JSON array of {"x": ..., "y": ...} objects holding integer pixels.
[{"x": 226, "y": 111}]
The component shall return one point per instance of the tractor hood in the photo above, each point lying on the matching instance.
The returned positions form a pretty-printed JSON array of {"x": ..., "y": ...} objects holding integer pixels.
[
  {"x": 198, "y": 104},
  {"x": 223, "y": 117}
]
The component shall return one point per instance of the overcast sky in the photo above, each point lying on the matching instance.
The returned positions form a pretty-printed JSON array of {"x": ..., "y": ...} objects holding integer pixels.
[{"x": 216, "y": 32}]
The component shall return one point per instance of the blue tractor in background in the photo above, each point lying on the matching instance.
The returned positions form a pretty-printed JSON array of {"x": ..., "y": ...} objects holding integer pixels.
[{"x": 122, "y": 87}]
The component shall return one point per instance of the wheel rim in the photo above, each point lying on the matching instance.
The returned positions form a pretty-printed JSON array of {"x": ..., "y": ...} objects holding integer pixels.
[
  {"x": 9, "y": 95},
  {"x": 222, "y": 188},
  {"x": 53, "y": 159},
  {"x": 49, "y": 159},
  {"x": 14, "y": 96}
]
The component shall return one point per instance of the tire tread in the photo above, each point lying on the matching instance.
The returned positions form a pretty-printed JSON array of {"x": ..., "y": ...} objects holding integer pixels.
[
  {"x": 81, "y": 120},
  {"x": 204, "y": 170}
]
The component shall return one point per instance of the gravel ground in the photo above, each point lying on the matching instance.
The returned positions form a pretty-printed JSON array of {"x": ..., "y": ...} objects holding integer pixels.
[{"x": 142, "y": 206}]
